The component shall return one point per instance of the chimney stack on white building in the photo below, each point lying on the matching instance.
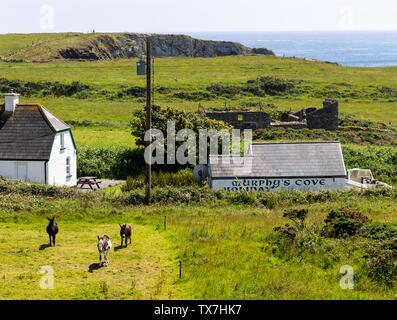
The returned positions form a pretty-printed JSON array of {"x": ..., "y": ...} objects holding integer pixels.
[{"x": 11, "y": 101}]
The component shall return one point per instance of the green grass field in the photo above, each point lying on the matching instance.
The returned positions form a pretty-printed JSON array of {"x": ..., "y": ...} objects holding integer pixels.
[
  {"x": 225, "y": 254},
  {"x": 196, "y": 74},
  {"x": 99, "y": 136}
]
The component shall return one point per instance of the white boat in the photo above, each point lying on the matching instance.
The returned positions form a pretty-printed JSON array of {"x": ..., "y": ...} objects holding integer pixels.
[{"x": 363, "y": 179}]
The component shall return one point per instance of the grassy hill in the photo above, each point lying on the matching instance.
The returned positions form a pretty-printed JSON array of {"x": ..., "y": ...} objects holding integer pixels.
[
  {"x": 368, "y": 93},
  {"x": 109, "y": 91}
]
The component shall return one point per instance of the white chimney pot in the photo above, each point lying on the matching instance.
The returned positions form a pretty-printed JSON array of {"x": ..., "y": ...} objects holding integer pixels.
[{"x": 11, "y": 101}]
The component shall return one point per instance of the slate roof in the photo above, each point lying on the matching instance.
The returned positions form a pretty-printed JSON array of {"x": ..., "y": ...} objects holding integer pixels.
[
  {"x": 28, "y": 134},
  {"x": 283, "y": 160}
]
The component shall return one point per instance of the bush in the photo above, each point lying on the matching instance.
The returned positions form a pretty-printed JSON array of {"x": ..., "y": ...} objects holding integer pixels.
[
  {"x": 133, "y": 92},
  {"x": 343, "y": 223},
  {"x": 181, "y": 178},
  {"x": 379, "y": 230},
  {"x": 260, "y": 87},
  {"x": 381, "y": 262},
  {"x": 109, "y": 162},
  {"x": 194, "y": 96},
  {"x": 45, "y": 88}
]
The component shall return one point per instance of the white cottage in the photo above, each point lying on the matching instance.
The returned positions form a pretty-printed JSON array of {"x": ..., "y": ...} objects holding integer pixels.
[
  {"x": 281, "y": 166},
  {"x": 35, "y": 145}
]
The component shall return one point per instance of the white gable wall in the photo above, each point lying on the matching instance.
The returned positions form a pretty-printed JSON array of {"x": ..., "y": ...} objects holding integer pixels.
[
  {"x": 56, "y": 167},
  {"x": 33, "y": 170}
]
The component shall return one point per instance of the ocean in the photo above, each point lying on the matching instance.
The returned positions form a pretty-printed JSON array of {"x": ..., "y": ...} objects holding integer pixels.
[{"x": 355, "y": 49}]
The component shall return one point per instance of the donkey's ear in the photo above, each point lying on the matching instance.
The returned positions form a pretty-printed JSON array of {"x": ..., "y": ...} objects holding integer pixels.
[
  {"x": 48, "y": 219},
  {"x": 120, "y": 225},
  {"x": 98, "y": 238},
  {"x": 53, "y": 218}
]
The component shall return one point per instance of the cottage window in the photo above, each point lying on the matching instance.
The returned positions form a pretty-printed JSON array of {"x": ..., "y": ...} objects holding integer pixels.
[
  {"x": 62, "y": 141},
  {"x": 68, "y": 170},
  {"x": 240, "y": 117}
]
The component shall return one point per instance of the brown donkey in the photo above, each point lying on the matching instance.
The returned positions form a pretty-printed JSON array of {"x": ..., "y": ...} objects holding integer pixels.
[
  {"x": 125, "y": 233},
  {"x": 52, "y": 230}
]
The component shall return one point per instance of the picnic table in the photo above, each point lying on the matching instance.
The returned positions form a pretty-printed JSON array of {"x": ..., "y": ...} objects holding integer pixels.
[{"x": 91, "y": 181}]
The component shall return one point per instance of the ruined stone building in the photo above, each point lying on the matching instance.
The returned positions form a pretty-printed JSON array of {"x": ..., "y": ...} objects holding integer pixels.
[{"x": 312, "y": 118}]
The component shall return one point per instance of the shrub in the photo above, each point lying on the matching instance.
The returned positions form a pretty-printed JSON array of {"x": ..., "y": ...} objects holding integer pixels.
[
  {"x": 57, "y": 89},
  {"x": 381, "y": 262},
  {"x": 194, "y": 96},
  {"x": 342, "y": 223},
  {"x": 134, "y": 92},
  {"x": 296, "y": 216},
  {"x": 379, "y": 230},
  {"x": 109, "y": 162},
  {"x": 298, "y": 219},
  {"x": 244, "y": 197},
  {"x": 260, "y": 87},
  {"x": 162, "y": 179}
]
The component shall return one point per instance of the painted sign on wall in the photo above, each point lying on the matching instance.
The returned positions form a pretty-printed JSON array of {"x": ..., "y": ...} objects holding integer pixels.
[{"x": 257, "y": 184}]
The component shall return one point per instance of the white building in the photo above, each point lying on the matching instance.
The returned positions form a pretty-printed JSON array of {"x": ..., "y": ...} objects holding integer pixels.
[
  {"x": 35, "y": 145},
  {"x": 281, "y": 166}
]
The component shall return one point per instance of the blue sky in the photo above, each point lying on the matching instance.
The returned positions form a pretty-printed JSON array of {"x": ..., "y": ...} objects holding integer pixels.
[{"x": 25, "y": 16}]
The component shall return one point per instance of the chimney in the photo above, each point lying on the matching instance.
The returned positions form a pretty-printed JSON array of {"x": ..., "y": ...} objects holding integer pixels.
[{"x": 11, "y": 101}]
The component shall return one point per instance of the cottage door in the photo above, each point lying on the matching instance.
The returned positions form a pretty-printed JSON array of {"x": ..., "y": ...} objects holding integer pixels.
[{"x": 22, "y": 171}]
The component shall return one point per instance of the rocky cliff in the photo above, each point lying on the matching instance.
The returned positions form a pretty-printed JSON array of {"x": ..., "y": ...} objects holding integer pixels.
[
  {"x": 134, "y": 45},
  {"x": 108, "y": 46}
]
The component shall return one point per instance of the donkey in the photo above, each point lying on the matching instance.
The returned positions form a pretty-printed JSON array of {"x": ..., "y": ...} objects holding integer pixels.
[
  {"x": 125, "y": 233},
  {"x": 52, "y": 230},
  {"x": 104, "y": 246}
]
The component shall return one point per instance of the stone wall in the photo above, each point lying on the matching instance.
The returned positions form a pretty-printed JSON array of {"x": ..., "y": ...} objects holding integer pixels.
[
  {"x": 325, "y": 118},
  {"x": 242, "y": 119}
]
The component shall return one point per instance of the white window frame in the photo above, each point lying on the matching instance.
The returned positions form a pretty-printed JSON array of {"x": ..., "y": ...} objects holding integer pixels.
[
  {"x": 62, "y": 138},
  {"x": 68, "y": 168}
]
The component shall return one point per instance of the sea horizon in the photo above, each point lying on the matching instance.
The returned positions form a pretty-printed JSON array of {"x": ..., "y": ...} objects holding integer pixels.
[{"x": 349, "y": 48}]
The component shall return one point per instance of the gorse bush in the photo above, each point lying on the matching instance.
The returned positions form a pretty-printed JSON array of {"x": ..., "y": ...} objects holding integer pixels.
[
  {"x": 379, "y": 230},
  {"x": 343, "y": 223},
  {"x": 29, "y": 88},
  {"x": 375, "y": 244},
  {"x": 194, "y": 95},
  {"x": 381, "y": 261},
  {"x": 298, "y": 219},
  {"x": 260, "y": 87},
  {"x": 132, "y": 92}
]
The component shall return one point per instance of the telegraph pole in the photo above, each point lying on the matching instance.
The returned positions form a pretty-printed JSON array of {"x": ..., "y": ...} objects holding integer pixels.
[{"x": 148, "y": 168}]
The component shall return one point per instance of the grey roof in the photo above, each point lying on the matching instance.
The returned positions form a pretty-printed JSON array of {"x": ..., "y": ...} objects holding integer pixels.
[
  {"x": 56, "y": 124},
  {"x": 282, "y": 160},
  {"x": 28, "y": 134}
]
